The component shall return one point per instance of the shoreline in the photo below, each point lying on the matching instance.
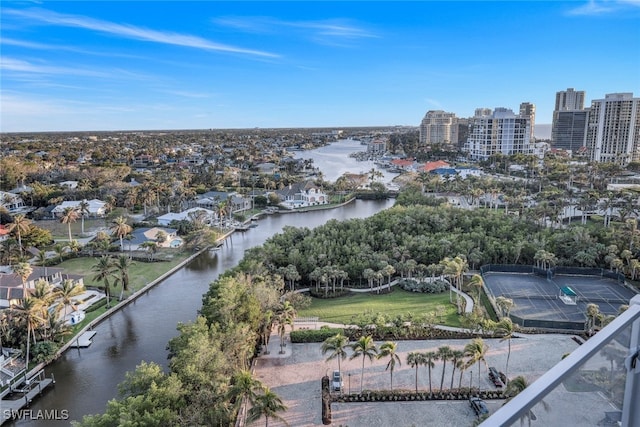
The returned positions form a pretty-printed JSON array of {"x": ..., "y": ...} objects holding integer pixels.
[{"x": 121, "y": 304}]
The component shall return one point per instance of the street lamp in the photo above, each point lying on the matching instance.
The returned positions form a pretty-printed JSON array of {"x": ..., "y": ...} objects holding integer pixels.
[{"x": 349, "y": 383}]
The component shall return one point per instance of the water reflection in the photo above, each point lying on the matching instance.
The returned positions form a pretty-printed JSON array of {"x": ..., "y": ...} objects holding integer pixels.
[{"x": 87, "y": 378}]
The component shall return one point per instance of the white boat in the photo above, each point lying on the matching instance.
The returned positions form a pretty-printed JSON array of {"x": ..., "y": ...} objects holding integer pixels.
[{"x": 76, "y": 317}]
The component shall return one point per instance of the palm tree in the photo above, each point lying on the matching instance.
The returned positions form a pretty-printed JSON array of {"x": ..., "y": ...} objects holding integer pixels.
[
  {"x": 83, "y": 209},
  {"x": 104, "y": 270},
  {"x": 268, "y": 404},
  {"x": 456, "y": 362},
  {"x": 121, "y": 267},
  {"x": 120, "y": 228},
  {"x": 414, "y": 359},
  {"x": 477, "y": 283},
  {"x": 336, "y": 345},
  {"x": 67, "y": 291},
  {"x": 388, "y": 349},
  {"x": 428, "y": 360},
  {"x": 366, "y": 348},
  {"x": 243, "y": 385},
  {"x": 69, "y": 215},
  {"x": 20, "y": 225},
  {"x": 592, "y": 312},
  {"x": 506, "y": 328},
  {"x": 23, "y": 270},
  {"x": 150, "y": 247},
  {"x": 476, "y": 351},
  {"x": 444, "y": 354},
  {"x": 516, "y": 386},
  {"x": 505, "y": 305},
  {"x": 33, "y": 312}
]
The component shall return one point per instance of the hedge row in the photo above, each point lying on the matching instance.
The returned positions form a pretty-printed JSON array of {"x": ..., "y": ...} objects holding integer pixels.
[
  {"x": 404, "y": 395},
  {"x": 314, "y": 335}
]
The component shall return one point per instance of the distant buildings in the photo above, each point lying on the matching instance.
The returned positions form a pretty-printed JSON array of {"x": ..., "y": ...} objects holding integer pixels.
[
  {"x": 569, "y": 121},
  {"x": 608, "y": 131},
  {"x": 500, "y": 131},
  {"x": 439, "y": 127}
]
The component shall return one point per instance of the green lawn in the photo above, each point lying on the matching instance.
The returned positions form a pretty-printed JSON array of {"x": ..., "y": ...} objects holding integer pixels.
[
  {"x": 140, "y": 273},
  {"x": 342, "y": 309}
]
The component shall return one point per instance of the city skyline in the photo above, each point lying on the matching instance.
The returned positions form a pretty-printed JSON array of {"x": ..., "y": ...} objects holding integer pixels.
[{"x": 82, "y": 66}]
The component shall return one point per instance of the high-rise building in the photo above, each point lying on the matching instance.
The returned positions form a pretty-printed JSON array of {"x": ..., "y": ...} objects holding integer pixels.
[
  {"x": 439, "y": 127},
  {"x": 613, "y": 129},
  {"x": 569, "y": 120},
  {"x": 568, "y": 129},
  {"x": 528, "y": 109},
  {"x": 569, "y": 100},
  {"x": 499, "y": 131}
]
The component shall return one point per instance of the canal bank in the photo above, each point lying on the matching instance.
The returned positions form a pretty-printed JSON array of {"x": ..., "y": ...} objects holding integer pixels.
[
  {"x": 36, "y": 379},
  {"x": 87, "y": 378}
]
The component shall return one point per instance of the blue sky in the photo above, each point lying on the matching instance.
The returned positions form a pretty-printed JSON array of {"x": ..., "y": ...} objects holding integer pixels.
[{"x": 124, "y": 65}]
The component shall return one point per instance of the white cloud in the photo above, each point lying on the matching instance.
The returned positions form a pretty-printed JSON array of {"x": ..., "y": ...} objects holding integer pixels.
[
  {"x": 132, "y": 32},
  {"x": 600, "y": 7},
  {"x": 322, "y": 30}
]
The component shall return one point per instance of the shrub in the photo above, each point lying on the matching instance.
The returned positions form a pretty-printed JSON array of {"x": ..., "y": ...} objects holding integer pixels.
[
  {"x": 96, "y": 305},
  {"x": 430, "y": 287},
  {"x": 314, "y": 335},
  {"x": 44, "y": 351}
]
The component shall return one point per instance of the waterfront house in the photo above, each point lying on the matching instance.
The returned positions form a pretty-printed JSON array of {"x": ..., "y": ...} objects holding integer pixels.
[
  {"x": 12, "y": 289},
  {"x": 162, "y": 236},
  {"x": 212, "y": 199},
  {"x": 207, "y": 216},
  {"x": 302, "y": 194}
]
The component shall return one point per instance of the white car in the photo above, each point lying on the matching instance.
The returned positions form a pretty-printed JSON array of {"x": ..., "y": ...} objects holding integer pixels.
[{"x": 336, "y": 381}]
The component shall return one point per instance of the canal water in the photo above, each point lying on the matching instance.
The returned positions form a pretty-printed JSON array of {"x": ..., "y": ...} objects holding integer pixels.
[{"x": 86, "y": 379}]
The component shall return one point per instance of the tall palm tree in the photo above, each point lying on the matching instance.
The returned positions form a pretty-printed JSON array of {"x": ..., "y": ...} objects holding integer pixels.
[
  {"x": 366, "y": 348},
  {"x": 476, "y": 351},
  {"x": 443, "y": 354},
  {"x": 456, "y": 358},
  {"x": 414, "y": 359},
  {"x": 121, "y": 267},
  {"x": 67, "y": 291},
  {"x": 83, "y": 210},
  {"x": 505, "y": 329},
  {"x": 33, "y": 312},
  {"x": 336, "y": 345},
  {"x": 69, "y": 215},
  {"x": 388, "y": 349},
  {"x": 104, "y": 272},
  {"x": 23, "y": 270},
  {"x": 268, "y": 404},
  {"x": 428, "y": 360},
  {"x": 120, "y": 228},
  {"x": 476, "y": 283},
  {"x": 19, "y": 226}
]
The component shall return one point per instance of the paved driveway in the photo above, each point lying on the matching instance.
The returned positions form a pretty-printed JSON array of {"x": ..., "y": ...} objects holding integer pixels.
[{"x": 295, "y": 377}]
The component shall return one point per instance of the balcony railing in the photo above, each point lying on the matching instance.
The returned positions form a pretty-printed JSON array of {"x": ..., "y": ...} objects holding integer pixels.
[{"x": 597, "y": 384}]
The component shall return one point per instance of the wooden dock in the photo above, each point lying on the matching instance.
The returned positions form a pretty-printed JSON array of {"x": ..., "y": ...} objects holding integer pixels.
[{"x": 84, "y": 340}]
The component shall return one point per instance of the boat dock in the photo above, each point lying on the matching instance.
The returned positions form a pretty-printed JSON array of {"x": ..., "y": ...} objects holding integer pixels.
[
  {"x": 13, "y": 403},
  {"x": 84, "y": 340}
]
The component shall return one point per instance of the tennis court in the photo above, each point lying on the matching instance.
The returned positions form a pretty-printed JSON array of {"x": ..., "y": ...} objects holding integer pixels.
[{"x": 537, "y": 299}]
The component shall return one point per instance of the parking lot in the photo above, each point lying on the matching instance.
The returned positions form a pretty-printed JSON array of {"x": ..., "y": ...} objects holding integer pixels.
[{"x": 295, "y": 377}]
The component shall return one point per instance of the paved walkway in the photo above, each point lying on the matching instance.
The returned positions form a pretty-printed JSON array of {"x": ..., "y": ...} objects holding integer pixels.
[{"x": 296, "y": 373}]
